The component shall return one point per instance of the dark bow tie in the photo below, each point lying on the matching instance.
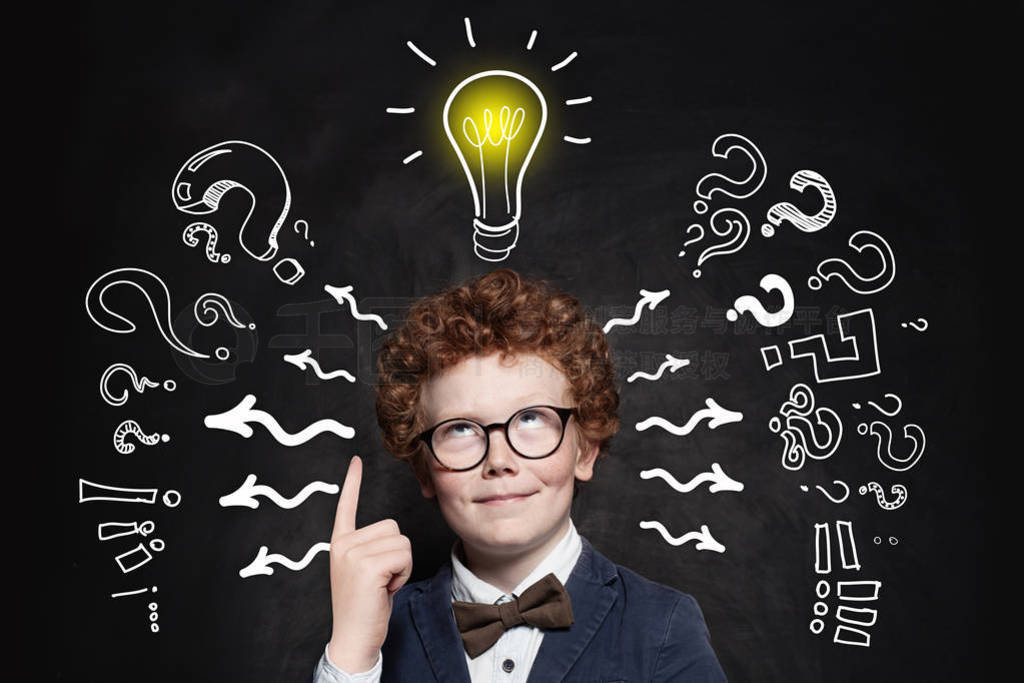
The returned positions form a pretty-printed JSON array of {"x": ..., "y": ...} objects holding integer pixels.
[{"x": 545, "y": 604}]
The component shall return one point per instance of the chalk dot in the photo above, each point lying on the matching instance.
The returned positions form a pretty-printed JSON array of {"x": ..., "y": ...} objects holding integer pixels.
[
  {"x": 152, "y": 607},
  {"x": 696, "y": 273},
  {"x": 700, "y": 206},
  {"x": 252, "y": 326},
  {"x": 903, "y": 324},
  {"x": 226, "y": 258},
  {"x": 153, "y": 589},
  {"x": 221, "y": 353},
  {"x": 803, "y": 488},
  {"x": 171, "y": 498},
  {"x": 767, "y": 230},
  {"x": 893, "y": 540},
  {"x": 862, "y": 428},
  {"x": 820, "y": 609},
  {"x": 154, "y": 627},
  {"x": 146, "y": 528},
  {"x": 862, "y": 490},
  {"x": 775, "y": 425},
  {"x": 153, "y": 616},
  {"x": 165, "y": 437},
  {"x": 157, "y": 545},
  {"x": 170, "y": 385},
  {"x": 856, "y": 405},
  {"x": 814, "y": 282},
  {"x": 878, "y": 540},
  {"x": 731, "y": 315},
  {"x": 312, "y": 243},
  {"x": 817, "y": 626},
  {"x": 822, "y": 589}
]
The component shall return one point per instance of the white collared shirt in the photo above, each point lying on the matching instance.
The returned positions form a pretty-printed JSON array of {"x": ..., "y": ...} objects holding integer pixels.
[{"x": 510, "y": 659}]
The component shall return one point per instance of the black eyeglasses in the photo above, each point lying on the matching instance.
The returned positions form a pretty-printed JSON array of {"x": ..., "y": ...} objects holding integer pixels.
[{"x": 461, "y": 443}]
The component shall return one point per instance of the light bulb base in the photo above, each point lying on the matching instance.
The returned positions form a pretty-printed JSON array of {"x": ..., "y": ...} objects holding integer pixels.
[{"x": 495, "y": 242}]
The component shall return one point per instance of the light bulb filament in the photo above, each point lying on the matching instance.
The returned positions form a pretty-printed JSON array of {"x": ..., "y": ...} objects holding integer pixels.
[{"x": 509, "y": 124}]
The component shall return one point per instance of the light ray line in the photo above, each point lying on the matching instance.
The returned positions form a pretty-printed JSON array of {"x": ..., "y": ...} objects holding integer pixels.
[
  {"x": 469, "y": 33},
  {"x": 533, "y": 37},
  {"x": 576, "y": 141},
  {"x": 565, "y": 61},
  {"x": 420, "y": 53},
  {"x": 401, "y": 110},
  {"x": 579, "y": 100},
  {"x": 412, "y": 157}
]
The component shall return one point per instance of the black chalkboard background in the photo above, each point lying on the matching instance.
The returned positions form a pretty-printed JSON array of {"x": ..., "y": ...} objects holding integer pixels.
[{"x": 877, "y": 98}]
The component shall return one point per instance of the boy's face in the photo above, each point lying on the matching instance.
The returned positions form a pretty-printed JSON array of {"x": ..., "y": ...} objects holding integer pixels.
[{"x": 484, "y": 389}]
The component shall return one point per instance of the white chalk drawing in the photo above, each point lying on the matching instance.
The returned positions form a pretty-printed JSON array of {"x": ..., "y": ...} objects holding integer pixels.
[
  {"x": 109, "y": 530},
  {"x": 89, "y": 491},
  {"x": 246, "y": 494},
  {"x": 305, "y": 360},
  {"x": 846, "y": 635},
  {"x": 704, "y": 539},
  {"x": 895, "y": 463},
  {"x": 533, "y": 37},
  {"x": 579, "y": 100},
  {"x": 132, "y": 428},
  {"x": 130, "y": 560},
  {"x": 898, "y": 490},
  {"x": 202, "y": 181},
  {"x": 820, "y": 609},
  {"x": 401, "y": 110},
  {"x": 835, "y": 499},
  {"x": 844, "y": 272},
  {"x": 817, "y": 626},
  {"x": 784, "y": 211},
  {"x": 717, "y": 477},
  {"x": 822, "y": 588},
  {"x": 156, "y": 293},
  {"x": 261, "y": 565},
  {"x": 671, "y": 363},
  {"x": 487, "y": 146},
  {"x": 858, "y": 591},
  {"x": 140, "y": 384},
  {"x": 889, "y": 396},
  {"x": 747, "y": 303},
  {"x": 210, "y": 307},
  {"x": 190, "y": 239},
  {"x": 733, "y": 226},
  {"x": 822, "y": 548},
  {"x": 847, "y": 546},
  {"x": 860, "y": 616},
  {"x": 413, "y": 157},
  {"x": 282, "y": 268},
  {"x": 139, "y": 591},
  {"x": 856, "y": 333},
  {"x": 692, "y": 240},
  {"x": 238, "y": 418},
  {"x": 153, "y": 616},
  {"x": 648, "y": 299},
  {"x": 419, "y": 53},
  {"x": 344, "y": 294},
  {"x": 921, "y": 324},
  {"x": 714, "y": 413},
  {"x": 802, "y": 436},
  {"x": 723, "y": 146},
  {"x": 469, "y": 33},
  {"x": 305, "y": 230},
  {"x": 565, "y": 62},
  {"x": 576, "y": 141}
]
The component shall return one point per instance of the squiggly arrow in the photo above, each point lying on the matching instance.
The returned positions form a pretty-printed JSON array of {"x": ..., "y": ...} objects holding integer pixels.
[
  {"x": 245, "y": 495},
  {"x": 649, "y": 299},
  {"x": 671, "y": 364},
  {"x": 261, "y": 565},
  {"x": 236, "y": 420},
  {"x": 305, "y": 360},
  {"x": 343, "y": 294},
  {"x": 705, "y": 541},
  {"x": 718, "y": 479},
  {"x": 717, "y": 416}
]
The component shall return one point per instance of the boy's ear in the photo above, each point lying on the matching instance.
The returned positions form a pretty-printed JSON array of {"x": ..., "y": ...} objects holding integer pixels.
[
  {"x": 585, "y": 458},
  {"x": 420, "y": 470}
]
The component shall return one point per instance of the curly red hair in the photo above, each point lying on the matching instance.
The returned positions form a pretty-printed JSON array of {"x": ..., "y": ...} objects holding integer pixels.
[{"x": 496, "y": 312}]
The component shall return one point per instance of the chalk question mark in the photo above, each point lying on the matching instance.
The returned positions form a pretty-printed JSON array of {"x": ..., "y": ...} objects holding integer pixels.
[
  {"x": 698, "y": 238},
  {"x": 898, "y": 490},
  {"x": 734, "y": 227},
  {"x": 305, "y": 230},
  {"x": 861, "y": 284},
  {"x": 140, "y": 384},
  {"x": 883, "y": 433},
  {"x": 835, "y": 499},
  {"x": 202, "y": 181},
  {"x": 895, "y": 411},
  {"x": 920, "y": 324},
  {"x": 784, "y": 211},
  {"x": 800, "y": 435},
  {"x": 132, "y": 428},
  {"x": 723, "y": 146},
  {"x": 769, "y": 283},
  {"x": 190, "y": 238}
]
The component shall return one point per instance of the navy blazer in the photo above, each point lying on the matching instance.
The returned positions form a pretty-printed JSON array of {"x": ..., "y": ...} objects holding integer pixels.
[{"x": 626, "y": 628}]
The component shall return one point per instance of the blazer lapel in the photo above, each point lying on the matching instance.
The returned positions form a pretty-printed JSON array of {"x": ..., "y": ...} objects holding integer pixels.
[
  {"x": 592, "y": 597},
  {"x": 432, "y": 615}
]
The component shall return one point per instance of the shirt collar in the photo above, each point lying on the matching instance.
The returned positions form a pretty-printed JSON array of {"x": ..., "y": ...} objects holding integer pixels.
[{"x": 466, "y": 587}]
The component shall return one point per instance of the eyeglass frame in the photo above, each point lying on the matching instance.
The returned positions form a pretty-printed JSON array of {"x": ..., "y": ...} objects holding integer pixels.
[{"x": 427, "y": 435}]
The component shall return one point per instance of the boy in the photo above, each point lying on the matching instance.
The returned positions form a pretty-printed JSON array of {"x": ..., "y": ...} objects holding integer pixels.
[{"x": 500, "y": 395}]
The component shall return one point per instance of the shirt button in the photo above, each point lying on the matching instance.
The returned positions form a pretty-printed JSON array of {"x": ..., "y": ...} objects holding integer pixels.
[{"x": 507, "y": 666}]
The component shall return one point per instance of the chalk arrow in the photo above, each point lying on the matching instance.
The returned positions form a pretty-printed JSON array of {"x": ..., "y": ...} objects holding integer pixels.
[
  {"x": 236, "y": 420},
  {"x": 705, "y": 541},
  {"x": 718, "y": 479},
  {"x": 671, "y": 364},
  {"x": 716, "y": 414},
  {"x": 261, "y": 565},
  {"x": 649, "y": 299},
  {"x": 305, "y": 360},
  {"x": 343, "y": 294},
  {"x": 245, "y": 495}
]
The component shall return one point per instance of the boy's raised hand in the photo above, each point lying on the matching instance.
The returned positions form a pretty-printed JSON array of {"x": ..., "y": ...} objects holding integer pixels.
[{"x": 368, "y": 566}]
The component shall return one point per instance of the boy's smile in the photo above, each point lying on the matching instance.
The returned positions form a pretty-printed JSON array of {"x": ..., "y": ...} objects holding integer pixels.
[{"x": 509, "y": 511}]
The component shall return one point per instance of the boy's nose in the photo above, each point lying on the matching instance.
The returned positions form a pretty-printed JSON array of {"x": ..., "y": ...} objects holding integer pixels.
[{"x": 500, "y": 456}]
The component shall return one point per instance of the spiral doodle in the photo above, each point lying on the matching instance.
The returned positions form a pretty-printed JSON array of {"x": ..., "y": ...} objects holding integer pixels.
[
  {"x": 131, "y": 427},
  {"x": 190, "y": 238},
  {"x": 898, "y": 490},
  {"x": 140, "y": 384}
]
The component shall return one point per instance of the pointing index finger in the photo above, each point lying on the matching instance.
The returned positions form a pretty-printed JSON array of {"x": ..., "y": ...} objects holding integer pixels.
[{"x": 345, "y": 517}]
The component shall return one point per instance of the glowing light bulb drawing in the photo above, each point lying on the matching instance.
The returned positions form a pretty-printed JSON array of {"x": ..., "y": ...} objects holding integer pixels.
[{"x": 494, "y": 120}]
